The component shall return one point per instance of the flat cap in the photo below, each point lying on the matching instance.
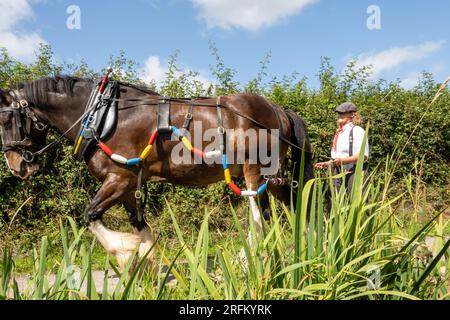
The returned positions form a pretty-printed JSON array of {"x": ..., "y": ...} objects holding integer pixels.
[{"x": 346, "y": 107}]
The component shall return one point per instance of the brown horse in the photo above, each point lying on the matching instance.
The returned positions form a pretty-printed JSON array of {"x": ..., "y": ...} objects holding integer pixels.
[{"x": 59, "y": 102}]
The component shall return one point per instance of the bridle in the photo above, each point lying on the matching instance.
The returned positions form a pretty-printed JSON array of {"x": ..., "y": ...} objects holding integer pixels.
[{"x": 23, "y": 118}]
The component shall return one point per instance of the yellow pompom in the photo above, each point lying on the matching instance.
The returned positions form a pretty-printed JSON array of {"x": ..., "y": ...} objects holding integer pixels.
[
  {"x": 146, "y": 152},
  {"x": 227, "y": 176},
  {"x": 187, "y": 143}
]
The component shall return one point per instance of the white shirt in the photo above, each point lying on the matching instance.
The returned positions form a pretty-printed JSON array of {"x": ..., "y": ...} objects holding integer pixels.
[{"x": 343, "y": 142}]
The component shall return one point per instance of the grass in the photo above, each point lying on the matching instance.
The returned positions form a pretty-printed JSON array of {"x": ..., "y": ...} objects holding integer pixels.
[
  {"x": 22, "y": 240},
  {"x": 359, "y": 250}
]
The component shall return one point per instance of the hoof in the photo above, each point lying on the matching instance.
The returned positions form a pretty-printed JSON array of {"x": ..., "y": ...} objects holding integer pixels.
[
  {"x": 267, "y": 213},
  {"x": 90, "y": 216}
]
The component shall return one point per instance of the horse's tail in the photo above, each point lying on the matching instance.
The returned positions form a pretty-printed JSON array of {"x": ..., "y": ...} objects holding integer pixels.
[{"x": 300, "y": 138}]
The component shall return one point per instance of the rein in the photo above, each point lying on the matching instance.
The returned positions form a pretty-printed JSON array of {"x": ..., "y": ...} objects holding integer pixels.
[
  {"x": 22, "y": 107},
  {"x": 54, "y": 143},
  {"x": 155, "y": 101}
]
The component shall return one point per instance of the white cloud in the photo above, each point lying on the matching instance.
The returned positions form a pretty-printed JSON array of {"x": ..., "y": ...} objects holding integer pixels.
[
  {"x": 156, "y": 71},
  {"x": 251, "y": 15},
  {"x": 411, "y": 80},
  {"x": 20, "y": 45},
  {"x": 438, "y": 68},
  {"x": 153, "y": 70},
  {"x": 392, "y": 58}
]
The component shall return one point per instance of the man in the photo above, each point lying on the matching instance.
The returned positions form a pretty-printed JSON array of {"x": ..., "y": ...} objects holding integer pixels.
[{"x": 347, "y": 144}]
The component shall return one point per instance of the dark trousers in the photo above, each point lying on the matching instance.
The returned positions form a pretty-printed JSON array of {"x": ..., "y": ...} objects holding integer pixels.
[{"x": 349, "y": 178}]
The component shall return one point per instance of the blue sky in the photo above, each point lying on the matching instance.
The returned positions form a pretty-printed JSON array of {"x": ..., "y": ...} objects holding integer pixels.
[{"x": 414, "y": 35}]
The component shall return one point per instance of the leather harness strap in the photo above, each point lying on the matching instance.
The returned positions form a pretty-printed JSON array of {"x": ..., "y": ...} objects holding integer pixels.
[
  {"x": 150, "y": 102},
  {"x": 350, "y": 148},
  {"x": 188, "y": 117},
  {"x": 140, "y": 205},
  {"x": 163, "y": 123},
  {"x": 220, "y": 128},
  {"x": 161, "y": 100}
]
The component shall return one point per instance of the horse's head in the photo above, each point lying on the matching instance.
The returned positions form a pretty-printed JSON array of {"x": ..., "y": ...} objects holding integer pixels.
[{"x": 21, "y": 134}]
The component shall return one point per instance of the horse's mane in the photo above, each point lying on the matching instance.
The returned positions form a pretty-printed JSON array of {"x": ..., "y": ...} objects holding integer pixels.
[
  {"x": 37, "y": 91},
  {"x": 140, "y": 88}
]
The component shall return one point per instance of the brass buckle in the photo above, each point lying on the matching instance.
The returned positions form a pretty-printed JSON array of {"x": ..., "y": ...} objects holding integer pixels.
[
  {"x": 40, "y": 126},
  {"x": 23, "y": 103},
  {"x": 138, "y": 194},
  {"x": 27, "y": 156}
]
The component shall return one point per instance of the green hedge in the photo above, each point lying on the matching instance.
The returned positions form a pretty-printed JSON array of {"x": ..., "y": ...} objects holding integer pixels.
[{"x": 63, "y": 187}]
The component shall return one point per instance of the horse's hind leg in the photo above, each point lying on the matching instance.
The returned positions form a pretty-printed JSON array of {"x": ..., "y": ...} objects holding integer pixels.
[
  {"x": 121, "y": 245},
  {"x": 253, "y": 178}
]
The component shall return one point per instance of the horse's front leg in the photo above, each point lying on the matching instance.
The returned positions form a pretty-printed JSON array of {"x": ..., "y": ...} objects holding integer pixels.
[
  {"x": 141, "y": 229},
  {"x": 121, "y": 245}
]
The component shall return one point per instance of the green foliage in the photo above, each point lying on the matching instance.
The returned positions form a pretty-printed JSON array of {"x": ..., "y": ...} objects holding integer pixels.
[
  {"x": 356, "y": 251},
  {"x": 181, "y": 84},
  {"x": 224, "y": 76},
  {"x": 124, "y": 69},
  {"x": 255, "y": 85},
  {"x": 13, "y": 72},
  {"x": 63, "y": 187}
]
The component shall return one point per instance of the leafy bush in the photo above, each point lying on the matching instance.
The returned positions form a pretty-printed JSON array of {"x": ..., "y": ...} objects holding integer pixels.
[
  {"x": 356, "y": 251},
  {"x": 63, "y": 187}
]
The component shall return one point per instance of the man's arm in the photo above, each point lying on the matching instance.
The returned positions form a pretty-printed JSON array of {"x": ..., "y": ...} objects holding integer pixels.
[
  {"x": 337, "y": 162},
  {"x": 352, "y": 159}
]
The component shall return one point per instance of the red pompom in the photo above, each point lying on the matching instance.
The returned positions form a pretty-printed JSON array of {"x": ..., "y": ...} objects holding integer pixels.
[
  {"x": 105, "y": 149},
  {"x": 235, "y": 188},
  {"x": 153, "y": 137}
]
